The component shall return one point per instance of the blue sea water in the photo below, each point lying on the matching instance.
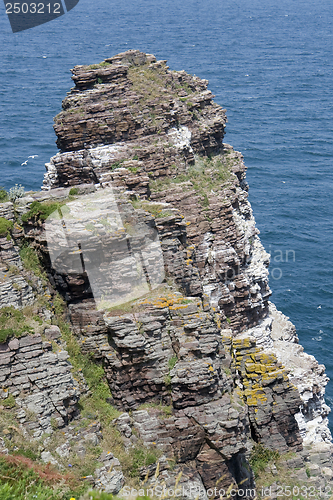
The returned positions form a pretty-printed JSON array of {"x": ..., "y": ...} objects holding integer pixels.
[{"x": 269, "y": 63}]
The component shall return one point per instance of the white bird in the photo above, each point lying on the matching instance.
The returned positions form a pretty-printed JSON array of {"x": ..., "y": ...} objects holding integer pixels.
[
  {"x": 24, "y": 163},
  {"x": 33, "y": 156}
]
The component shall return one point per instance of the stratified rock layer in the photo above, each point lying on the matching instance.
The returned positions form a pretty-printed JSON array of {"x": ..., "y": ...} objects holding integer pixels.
[{"x": 195, "y": 363}]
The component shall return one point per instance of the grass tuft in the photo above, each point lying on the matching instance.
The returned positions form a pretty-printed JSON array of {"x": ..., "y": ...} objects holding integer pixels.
[
  {"x": 13, "y": 323},
  {"x": 5, "y": 226},
  {"x": 261, "y": 457}
]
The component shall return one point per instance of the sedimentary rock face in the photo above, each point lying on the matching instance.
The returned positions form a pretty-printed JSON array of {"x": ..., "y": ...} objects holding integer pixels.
[{"x": 117, "y": 247}]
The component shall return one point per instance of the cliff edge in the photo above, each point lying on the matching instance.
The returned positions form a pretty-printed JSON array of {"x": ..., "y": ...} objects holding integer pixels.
[{"x": 141, "y": 259}]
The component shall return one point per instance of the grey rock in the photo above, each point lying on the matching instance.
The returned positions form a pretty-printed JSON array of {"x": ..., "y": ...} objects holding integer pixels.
[
  {"x": 47, "y": 457},
  {"x": 109, "y": 481},
  {"x": 63, "y": 450},
  {"x": 53, "y": 332}
]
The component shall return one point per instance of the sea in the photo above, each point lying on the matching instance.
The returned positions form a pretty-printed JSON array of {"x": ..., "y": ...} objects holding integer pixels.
[{"x": 269, "y": 63}]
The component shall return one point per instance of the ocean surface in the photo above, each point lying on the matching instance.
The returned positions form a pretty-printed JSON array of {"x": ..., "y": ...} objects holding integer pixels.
[{"x": 269, "y": 63}]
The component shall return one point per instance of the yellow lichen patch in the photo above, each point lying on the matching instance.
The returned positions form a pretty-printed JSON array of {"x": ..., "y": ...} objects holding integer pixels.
[
  {"x": 254, "y": 396},
  {"x": 218, "y": 323},
  {"x": 255, "y": 368},
  {"x": 272, "y": 368},
  {"x": 241, "y": 343},
  {"x": 178, "y": 306},
  {"x": 269, "y": 378},
  {"x": 226, "y": 338},
  {"x": 266, "y": 358},
  {"x": 253, "y": 376},
  {"x": 165, "y": 301}
]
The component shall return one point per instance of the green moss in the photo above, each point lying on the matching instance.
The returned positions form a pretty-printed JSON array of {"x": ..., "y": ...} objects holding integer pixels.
[
  {"x": 5, "y": 226},
  {"x": 73, "y": 191}
]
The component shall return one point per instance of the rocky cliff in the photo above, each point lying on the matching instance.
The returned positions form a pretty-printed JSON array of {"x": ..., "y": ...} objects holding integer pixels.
[{"x": 144, "y": 229}]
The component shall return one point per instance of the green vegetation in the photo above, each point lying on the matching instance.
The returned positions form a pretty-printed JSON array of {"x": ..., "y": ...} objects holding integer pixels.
[
  {"x": 26, "y": 453},
  {"x": 147, "y": 81},
  {"x": 117, "y": 164},
  {"x": 9, "y": 402},
  {"x": 76, "y": 111},
  {"x": 13, "y": 323},
  {"x": 206, "y": 175},
  {"x": 156, "y": 209},
  {"x": 21, "y": 479},
  {"x": 96, "y": 495},
  {"x": 261, "y": 457},
  {"x": 143, "y": 457},
  {"x": 41, "y": 210},
  {"x": 16, "y": 192},
  {"x": 31, "y": 261},
  {"x": 103, "y": 64},
  {"x": 166, "y": 410},
  {"x": 73, "y": 191},
  {"x": 172, "y": 362},
  {"x": 3, "y": 195},
  {"x": 184, "y": 86},
  {"x": 5, "y": 226},
  {"x": 270, "y": 468},
  {"x": 92, "y": 371}
]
